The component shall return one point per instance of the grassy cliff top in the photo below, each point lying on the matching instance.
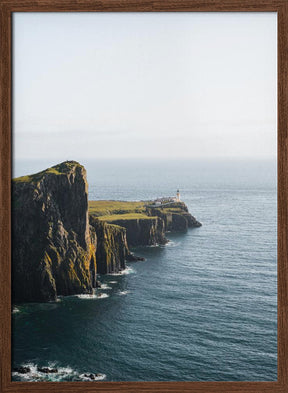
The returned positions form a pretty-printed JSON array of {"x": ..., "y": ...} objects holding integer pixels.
[
  {"x": 118, "y": 210},
  {"x": 110, "y": 211},
  {"x": 105, "y": 208},
  {"x": 59, "y": 169},
  {"x": 128, "y": 216}
]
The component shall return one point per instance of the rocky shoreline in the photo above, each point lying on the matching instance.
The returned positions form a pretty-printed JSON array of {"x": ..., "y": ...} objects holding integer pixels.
[
  {"x": 34, "y": 373},
  {"x": 60, "y": 241}
]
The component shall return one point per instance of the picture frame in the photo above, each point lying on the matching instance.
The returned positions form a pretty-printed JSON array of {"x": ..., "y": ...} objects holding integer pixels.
[{"x": 10, "y": 6}]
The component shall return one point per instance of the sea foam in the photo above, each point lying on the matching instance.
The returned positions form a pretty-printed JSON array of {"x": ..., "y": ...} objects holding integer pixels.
[
  {"x": 105, "y": 286},
  {"x": 122, "y": 293},
  {"x": 92, "y": 296},
  {"x": 63, "y": 374},
  {"x": 128, "y": 270},
  {"x": 98, "y": 377}
]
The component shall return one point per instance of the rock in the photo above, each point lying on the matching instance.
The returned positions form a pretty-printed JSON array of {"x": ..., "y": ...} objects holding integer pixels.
[
  {"x": 98, "y": 284},
  {"x": 56, "y": 243},
  {"x": 47, "y": 370},
  {"x": 22, "y": 370},
  {"x": 176, "y": 216},
  {"x": 53, "y": 244},
  {"x": 192, "y": 222},
  {"x": 144, "y": 231},
  {"x": 112, "y": 248},
  {"x": 133, "y": 258},
  {"x": 92, "y": 376}
]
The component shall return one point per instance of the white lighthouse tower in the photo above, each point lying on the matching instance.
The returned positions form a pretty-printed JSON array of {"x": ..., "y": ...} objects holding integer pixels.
[{"x": 178, "y": 195}]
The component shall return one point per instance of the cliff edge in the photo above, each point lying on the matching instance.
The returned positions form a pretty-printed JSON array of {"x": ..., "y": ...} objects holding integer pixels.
[
  {"x": 60, "y": 242},
  {"x": 53, "y": 247},
  {"x": 145, "y": 223}
]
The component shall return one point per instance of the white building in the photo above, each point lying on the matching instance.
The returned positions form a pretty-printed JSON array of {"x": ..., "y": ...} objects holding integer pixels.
[{"x": 164, "y": 200}]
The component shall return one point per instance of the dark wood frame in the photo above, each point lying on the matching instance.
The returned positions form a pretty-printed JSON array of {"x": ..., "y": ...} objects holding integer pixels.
[{"x": 9, "y": 6}]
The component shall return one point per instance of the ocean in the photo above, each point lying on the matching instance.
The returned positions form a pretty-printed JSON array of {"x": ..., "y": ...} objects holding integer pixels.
[{"x": 201, "y": 308}]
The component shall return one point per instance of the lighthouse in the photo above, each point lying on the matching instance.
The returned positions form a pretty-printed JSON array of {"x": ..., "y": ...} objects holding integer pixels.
[{"x": 178, "y": 196}]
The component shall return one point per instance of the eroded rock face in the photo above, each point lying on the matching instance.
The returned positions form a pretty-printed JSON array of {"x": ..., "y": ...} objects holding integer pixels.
[
  {"x": 176, "y": 218},
  {"x": 55, "y": 245},
  {"x": 144, "y": 232},
  {"x": 53, "y": 251},
  {"x": 112, "y": 249}
]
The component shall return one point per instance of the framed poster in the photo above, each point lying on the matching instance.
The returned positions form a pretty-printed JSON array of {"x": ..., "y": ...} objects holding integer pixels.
[{"x": 143, "y": 239}]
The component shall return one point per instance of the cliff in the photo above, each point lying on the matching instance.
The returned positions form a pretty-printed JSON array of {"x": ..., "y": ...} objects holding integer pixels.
[
  {"x": 175, "y": 216},
  {"x": 58, "y": 246},
  {"x": 143, "y": 231},
  {"x": 145, "y": 223},
  {"x": 112, "y": 249},
  {"x": 53, "y": 246}
]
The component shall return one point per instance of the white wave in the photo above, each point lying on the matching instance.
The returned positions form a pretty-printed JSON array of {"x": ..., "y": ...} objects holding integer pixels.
[
  {"x": 62, "y": 374},
  {"x": 92, "y": 296},
  {"x": 128, "y": 270},
  {"x": 98, "y": 377},
  {"x": 171, "y": 243},
  {"x": 122, "y": 293},
  {"x": 86, "y": 296},
  {"x": 15, "y": 310},
  {"x": 35, "y": 375},
  {"x": 105, "y": 286},
  {"x": 102, "y": 296},
  {"x": 113, "y": 282}
]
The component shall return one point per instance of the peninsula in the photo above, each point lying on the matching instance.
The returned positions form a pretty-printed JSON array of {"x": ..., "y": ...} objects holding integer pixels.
[{"x": 60, "y": 240}]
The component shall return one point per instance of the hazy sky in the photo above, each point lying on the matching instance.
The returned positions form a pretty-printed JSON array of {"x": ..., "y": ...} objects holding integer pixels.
[{"x": 160, "y": 85}]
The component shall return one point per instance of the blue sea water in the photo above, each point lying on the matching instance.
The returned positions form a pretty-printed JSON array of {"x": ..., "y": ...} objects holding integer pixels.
[{"x": 201, "y": 308}]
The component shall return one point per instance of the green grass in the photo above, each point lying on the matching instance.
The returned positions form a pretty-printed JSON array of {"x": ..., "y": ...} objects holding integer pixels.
[
  {"x": 36, "y": 177},
  {"x": 106, "y": 208},
  {"x": 59, "y": 169},
  {"x": 128, "y": 216},
  {"x": 111, "y": 211}
]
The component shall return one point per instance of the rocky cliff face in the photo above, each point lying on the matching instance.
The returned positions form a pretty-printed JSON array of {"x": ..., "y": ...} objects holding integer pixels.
[
  {"x": 145, "y": 223},
  {"x": 56, "y": 244},
  {"x": 176, "y": 217},
  {"x": 143, "y": 232},
  {"x": 53, "y": 245},
  {"x": 112, "y": 249}
]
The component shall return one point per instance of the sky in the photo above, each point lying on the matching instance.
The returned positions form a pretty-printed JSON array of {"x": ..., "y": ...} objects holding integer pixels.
[{"x": 144, "y": 85}]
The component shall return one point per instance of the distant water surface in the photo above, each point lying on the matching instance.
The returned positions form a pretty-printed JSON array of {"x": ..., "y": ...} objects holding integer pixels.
[{"x": 203, "y": 307}]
